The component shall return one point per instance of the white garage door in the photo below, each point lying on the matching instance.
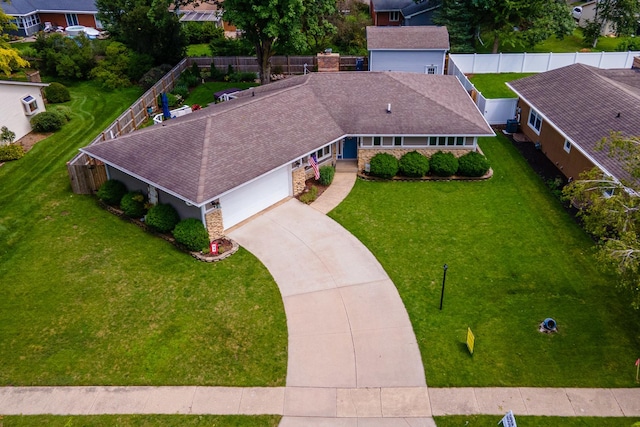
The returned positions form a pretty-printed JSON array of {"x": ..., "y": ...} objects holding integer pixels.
[{"x": 250, "y": 199}]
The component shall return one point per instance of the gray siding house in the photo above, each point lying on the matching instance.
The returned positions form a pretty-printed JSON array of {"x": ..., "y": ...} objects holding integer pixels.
[{"x": 412, "y": 49}]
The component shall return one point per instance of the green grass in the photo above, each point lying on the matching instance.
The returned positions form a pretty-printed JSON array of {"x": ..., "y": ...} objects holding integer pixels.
[
  {"x": 493, "y": 85},
  {"x": 203, "y": 94},
  {"x": 492, "y": 421},
  {"x": 140, "y": 420},
  {"x": 198, "y": 50},
  {"x": 515, "y": 257},
  {"x": 572, "y": 43},
  {"x": 89, "y": 299}
]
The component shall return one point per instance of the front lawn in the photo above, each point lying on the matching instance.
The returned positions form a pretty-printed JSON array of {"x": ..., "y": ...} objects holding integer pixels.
[
  {"x": 493, "y": 85},
  {"x": 515, "y": 257},
  {"x": 142, "y": 420},
  {"x": 89, "y": 299}
]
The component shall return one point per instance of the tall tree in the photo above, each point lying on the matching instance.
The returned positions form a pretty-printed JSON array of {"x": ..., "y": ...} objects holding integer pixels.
[
  {"x": 316, "y": 23},
  {"x": 266, "y": 22},
  {"x": 10, "y": 59},
  {"x": 622, "y": 15},
  {"x": 148, "y": 27},
  {"x": 510, "y": 22},
  {"x": 610, "y": 211}
]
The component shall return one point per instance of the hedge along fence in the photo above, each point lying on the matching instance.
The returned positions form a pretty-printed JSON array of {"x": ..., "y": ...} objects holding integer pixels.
[
  {"x": 87, "y": 175},
  {"x": 285, "y": 64}
]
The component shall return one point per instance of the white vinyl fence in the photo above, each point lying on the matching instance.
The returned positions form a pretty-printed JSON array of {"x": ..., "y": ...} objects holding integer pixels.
[{"x": 498, "y": 111}]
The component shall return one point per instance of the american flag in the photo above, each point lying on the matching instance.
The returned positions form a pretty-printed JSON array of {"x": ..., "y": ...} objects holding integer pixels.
[{"x": 314, "y": 164}]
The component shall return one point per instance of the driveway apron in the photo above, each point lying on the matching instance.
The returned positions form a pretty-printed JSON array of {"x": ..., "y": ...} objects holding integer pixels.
[{"x": 347, "y": 325}]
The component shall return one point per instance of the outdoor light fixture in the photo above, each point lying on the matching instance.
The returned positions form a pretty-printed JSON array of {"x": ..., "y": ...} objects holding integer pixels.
[{"x": 444, "y": 278}]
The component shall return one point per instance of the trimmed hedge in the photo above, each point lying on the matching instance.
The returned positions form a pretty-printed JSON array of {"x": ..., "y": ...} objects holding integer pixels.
[
  {"x": 191, "y": 233},
  {"x": 443, "y": 164},
  {"x": 47, "y": 121},
  {"x": 473, "y": 164},
  {"x": 383, "y": 165},
  {"x": 414, "y": 164},
  {"x": 326, "y": 175},
  {"x": 57, "y": 93},
  {"x": 111, "y": 192},
  {"x": 133, "y": 204},
  {"x": 162, "y": 218},
  {"x": 11, "y": 152}
]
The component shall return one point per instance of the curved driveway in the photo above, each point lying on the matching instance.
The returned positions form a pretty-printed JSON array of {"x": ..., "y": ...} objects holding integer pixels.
[{"x": 347, "y": 325}]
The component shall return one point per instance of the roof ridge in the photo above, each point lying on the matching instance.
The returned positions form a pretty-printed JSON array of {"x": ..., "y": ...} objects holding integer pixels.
[
  {"x": 204, "y": 159},
  {"x": 622, "y": 86}
]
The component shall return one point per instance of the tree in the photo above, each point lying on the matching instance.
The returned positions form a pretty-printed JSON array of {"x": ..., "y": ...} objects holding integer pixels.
[
  {"x": 147, "y": 27},
  {"x": 316, "y": 23},
  {"x": 350, "y": 36},
  {"x": 511, "y": 22},
  {"x": 610, "y": 211},
  {"x": 67, "y": 57},
  {"x": 10, "y": 59},
  {"x": 266, "y": 22},
  {"x": 621, "y": 14}
]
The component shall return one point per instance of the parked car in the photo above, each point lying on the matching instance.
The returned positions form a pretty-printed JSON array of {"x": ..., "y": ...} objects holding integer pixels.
[{"x": 576, "y": 12}]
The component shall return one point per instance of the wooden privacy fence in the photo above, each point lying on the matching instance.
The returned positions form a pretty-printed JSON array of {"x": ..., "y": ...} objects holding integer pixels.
[
  {"x": 279, "y": 64},
  {"x": 85, "y": 174}
]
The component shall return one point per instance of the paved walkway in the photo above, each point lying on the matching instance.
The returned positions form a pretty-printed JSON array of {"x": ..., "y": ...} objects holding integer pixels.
[{"x": 353, "y": 357}]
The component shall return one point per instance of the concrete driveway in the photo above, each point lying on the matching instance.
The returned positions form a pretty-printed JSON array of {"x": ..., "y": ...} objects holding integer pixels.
[{"x": 347, "y": 325}]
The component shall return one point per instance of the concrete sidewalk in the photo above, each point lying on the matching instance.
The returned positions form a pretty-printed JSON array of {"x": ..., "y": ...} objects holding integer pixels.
[{"x": 323, "y": 406}]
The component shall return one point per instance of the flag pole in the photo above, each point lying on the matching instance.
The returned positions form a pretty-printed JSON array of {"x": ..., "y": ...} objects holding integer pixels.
[{"x": 637, "y": 369}]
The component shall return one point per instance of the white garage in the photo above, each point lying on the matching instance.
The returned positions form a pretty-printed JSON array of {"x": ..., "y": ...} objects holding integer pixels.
[{"x": 255, "y": 196}]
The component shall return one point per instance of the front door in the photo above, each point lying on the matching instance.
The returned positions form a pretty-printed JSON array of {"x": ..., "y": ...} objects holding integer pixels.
[{"x": 350, "y": 148}]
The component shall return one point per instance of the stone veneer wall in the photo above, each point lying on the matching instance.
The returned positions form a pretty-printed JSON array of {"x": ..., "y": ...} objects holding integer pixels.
[
  {"x": 365, "y": 154},
  {"x": 214, "y": 224},
  {"x": 298, "y": 177}
]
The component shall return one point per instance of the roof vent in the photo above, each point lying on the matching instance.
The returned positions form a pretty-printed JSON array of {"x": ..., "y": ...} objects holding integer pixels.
[{"x": 388, "y": 108}]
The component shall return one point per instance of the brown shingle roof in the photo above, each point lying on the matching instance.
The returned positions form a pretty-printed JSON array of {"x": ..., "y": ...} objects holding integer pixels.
[
  {"x": 202, "y": 155},
  {"x": 583, "y": 102},
  {"x": 427, "y": 37}
]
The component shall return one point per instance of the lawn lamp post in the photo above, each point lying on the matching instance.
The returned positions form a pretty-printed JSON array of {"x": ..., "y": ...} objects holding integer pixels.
[{"x": 444, "y": 278}]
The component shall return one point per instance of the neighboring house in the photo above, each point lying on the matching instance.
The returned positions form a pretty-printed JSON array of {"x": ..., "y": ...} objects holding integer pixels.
[
  {"x": 412, "y": 49},
  {"x": 587, "y": 12},
  {"x": 229, "y": 161},
  {"x": 205, "y": 12},
  {"x": 30, "y": 15},
  {"x": 403, "y": 12},
  {"x": 569, "y": 110},
  {"x": 20, "y": 102}
]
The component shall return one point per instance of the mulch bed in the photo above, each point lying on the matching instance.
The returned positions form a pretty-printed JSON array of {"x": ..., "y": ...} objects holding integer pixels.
[{"x": 312, "y": 183}]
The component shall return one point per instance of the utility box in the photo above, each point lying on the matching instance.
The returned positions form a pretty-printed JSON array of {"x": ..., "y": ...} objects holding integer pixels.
[{"x": 512, "y": 126}]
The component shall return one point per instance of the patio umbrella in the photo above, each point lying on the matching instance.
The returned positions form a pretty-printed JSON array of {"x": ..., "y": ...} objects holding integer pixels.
[{"x": 165, "y": 106}]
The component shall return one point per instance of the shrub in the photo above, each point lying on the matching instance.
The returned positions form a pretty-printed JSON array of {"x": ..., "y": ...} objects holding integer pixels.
[
  {"x": 11, "y": 152},
  {"x": 7, "y": 135},
  {"x": 215, "y": 74},
  {"x": 473, "y": 164},
  {"x": 47, "y": 121},
  {"x": 57, "y": 93},
  {"x": 133, "y": 204},
  {"x": 241, "y": 77},
  {"x": 414, "y": 164},
  {"x": 162, "y": 218},
  {"x": 443, "y": 164},
  {"x": 326, "y": 175},
  {"x": 182, "y": 90},
  {"x": 111, "y": 192},
  {"x": 153, "y": 75},
  {"x": 310, "y": 195},
  {"x": 191, "y": 233},
  {"x": 383, "y": 165},
  {"x": 64, "y": 112}
]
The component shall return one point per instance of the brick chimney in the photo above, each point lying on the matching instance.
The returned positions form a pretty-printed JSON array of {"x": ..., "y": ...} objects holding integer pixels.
[
  {"x": 34, "y": 77},
  {"x": 328, "y": 62},
  {"x": 636, "y": 63}
]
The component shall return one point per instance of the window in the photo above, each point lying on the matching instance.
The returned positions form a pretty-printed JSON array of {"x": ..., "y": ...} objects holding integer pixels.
[
  {"x": 535, "y": 121},
  {"x": 72, "y": 19},
  {"x": 460, "y": 140},
  {"x": 430, "y": 69},
  {"x": 433, "y": 140},
  {"x": 394, "y": 16},
  {"x": 397, "y": 140},
  {"x": 567, "y": 146},
  {"x": 30, "y": 105},
  {"x": 376, "y": 140}
]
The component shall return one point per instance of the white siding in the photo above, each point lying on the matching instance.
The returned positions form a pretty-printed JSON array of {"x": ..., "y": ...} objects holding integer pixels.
[
  {"x": 256, "y": 196},
  {"x": 413, "y": 61},
  {"x": 12, "y": 114}
]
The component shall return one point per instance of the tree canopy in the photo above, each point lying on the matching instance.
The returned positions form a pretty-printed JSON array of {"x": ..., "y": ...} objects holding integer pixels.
[
  {"x": 511, "y": 22},
  {"x": 10, "y": 59},
  {"x": 147, "y": 27},
  {"x": 620, "y": 14},
  {"x": 610, "y": 211}
]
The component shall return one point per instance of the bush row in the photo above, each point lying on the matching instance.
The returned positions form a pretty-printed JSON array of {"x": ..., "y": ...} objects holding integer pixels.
[
  {"x": 52, "y": 120},
  {"x": 416, "y": 165},
  {"x": 162, "y": 218}
]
